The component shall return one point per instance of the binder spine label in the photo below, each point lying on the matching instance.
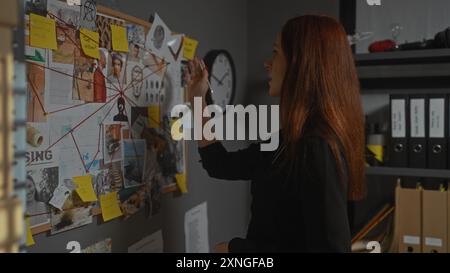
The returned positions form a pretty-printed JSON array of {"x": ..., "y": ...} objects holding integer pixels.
[
  {"x": 437, "y": 113},
  {"x": 411, "y": 240},
  {"x": 398, "y": 118},
  {"x": 417, "y": 118},
  {"x": 433, "y": 242}
]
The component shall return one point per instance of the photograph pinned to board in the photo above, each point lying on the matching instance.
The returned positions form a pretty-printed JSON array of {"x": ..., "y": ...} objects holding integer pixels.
[
  {"x": 45, "y": 179},
  {"x": 103, "y": 23},
  {"x": 102, "y": 182},
  {"x": 155, "y": 64},
  {"x": 35, "y": 208},
  {"x": 112, "y": 149},
  {"x": 159, "y": 164},
  {"x": 116, "y": 77},
  {"x": 133, "y": 162},
  {"x": 132, "y": 200},
  {"x": 41, "y": 182},
  {"x": 120, "y": 113},
  {"x": 83, "y": 81},
  {"x": 36, "y": 93},
  {"x": 115, "y": 176},
  {"x": 104, "y": 246},
  {"x": 38, "y": 7},
  {"x": 136, "y": 42},
  {"x": 108, "y": 179},
  {"x": 74, "y": 214},
  {"x": 63, "y": 13},
  {"x": 100, "y": 84},
  {"x": 88, "y": 14},
  {"x": 157, "y": 37},
  {"x": 135, "y": 83},
  {"x": 139, "y": 121}
]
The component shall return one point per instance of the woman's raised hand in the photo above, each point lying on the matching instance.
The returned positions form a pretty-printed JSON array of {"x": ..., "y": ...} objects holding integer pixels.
[{"x": 196, "y": 77}]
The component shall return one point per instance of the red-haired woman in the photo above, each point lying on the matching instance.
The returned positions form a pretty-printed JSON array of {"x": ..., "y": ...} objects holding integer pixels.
[{"x": 300, "y": 191}]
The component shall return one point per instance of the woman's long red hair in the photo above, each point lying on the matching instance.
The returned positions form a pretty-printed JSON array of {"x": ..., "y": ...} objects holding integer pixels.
[{"x": 321, "y": 94}]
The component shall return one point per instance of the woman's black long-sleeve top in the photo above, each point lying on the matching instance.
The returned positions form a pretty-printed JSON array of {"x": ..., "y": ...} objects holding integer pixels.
[{"x": 301, "y": 211}]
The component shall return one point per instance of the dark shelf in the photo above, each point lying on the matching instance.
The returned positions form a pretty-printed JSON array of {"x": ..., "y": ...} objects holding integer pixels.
[
  {"x": 409, "y": 55},
  {"x": 408, "y": 172},
  {"x": 427, "y": 63}
]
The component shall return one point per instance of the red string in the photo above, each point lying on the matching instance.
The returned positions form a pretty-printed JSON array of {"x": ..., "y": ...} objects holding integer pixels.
[
  {"x": 121, "y": 93},
  {"x": 78, "y": 125},
  {"x": 79, "y": 152},
  {"x": 33, "y": 89},
  {"x": 68, "y": 75},
  {"x": 67, "y": 108}
]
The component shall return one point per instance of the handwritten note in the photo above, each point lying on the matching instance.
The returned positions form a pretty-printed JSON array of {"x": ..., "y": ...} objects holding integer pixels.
[
  {"x": 154, "y": 116},
  {"x": 110, "y": 206},
  {"x": 85, "y": 189},
  {"x": 190, "y": 47},
  {"x": 119, "y": 38},
  {"x": 42, "y": 32},
  {"x": 89, "y": 43},
  {"x": 60, "y": 195}
]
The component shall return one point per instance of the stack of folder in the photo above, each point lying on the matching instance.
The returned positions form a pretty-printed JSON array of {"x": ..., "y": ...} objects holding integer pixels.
[
  {"x": 419, "y": 135},
  {"x": 422, "y": 220}
]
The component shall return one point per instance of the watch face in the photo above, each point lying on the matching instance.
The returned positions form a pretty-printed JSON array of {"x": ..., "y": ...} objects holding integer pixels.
[{"x": 222, "y": 81}]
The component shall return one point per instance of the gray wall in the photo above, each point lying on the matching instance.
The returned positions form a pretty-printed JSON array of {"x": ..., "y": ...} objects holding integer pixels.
[
  {"x": 217, "y": 25},
  {"x": 265, "y": 20}
]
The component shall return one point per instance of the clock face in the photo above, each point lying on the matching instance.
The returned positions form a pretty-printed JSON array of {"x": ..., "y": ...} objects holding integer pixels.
[{"x": 222, "y": 80}]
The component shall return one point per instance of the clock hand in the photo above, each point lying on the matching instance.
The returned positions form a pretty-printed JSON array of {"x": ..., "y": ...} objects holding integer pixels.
[
  {"x": 217, "y": 79},
  {"x": 223, "y": 78}
]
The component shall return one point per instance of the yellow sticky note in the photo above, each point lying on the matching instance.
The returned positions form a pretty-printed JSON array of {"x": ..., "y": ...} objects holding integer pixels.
[
  {"x": 89, "y": 43},
  {"x": 85, "y": 189},
  {"x": 181, "y": 182},
  {"x": 153, "y": 116},
  {"x": 119, "y": 38},
  {"x": 110, "y": 206},
  {"x": 29, "y": 241},
  {"x": 42, "y": 32},
  {"x": 190, "y": 46}
]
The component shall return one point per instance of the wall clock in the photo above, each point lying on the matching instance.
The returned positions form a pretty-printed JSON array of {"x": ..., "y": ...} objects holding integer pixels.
[{"x": 222, "y": 76}]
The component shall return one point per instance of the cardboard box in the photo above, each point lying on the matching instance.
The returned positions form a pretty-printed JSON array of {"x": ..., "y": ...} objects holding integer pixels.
[
  {"x": 434, "y": 221},
  {"x": 409, "y": 215}
]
